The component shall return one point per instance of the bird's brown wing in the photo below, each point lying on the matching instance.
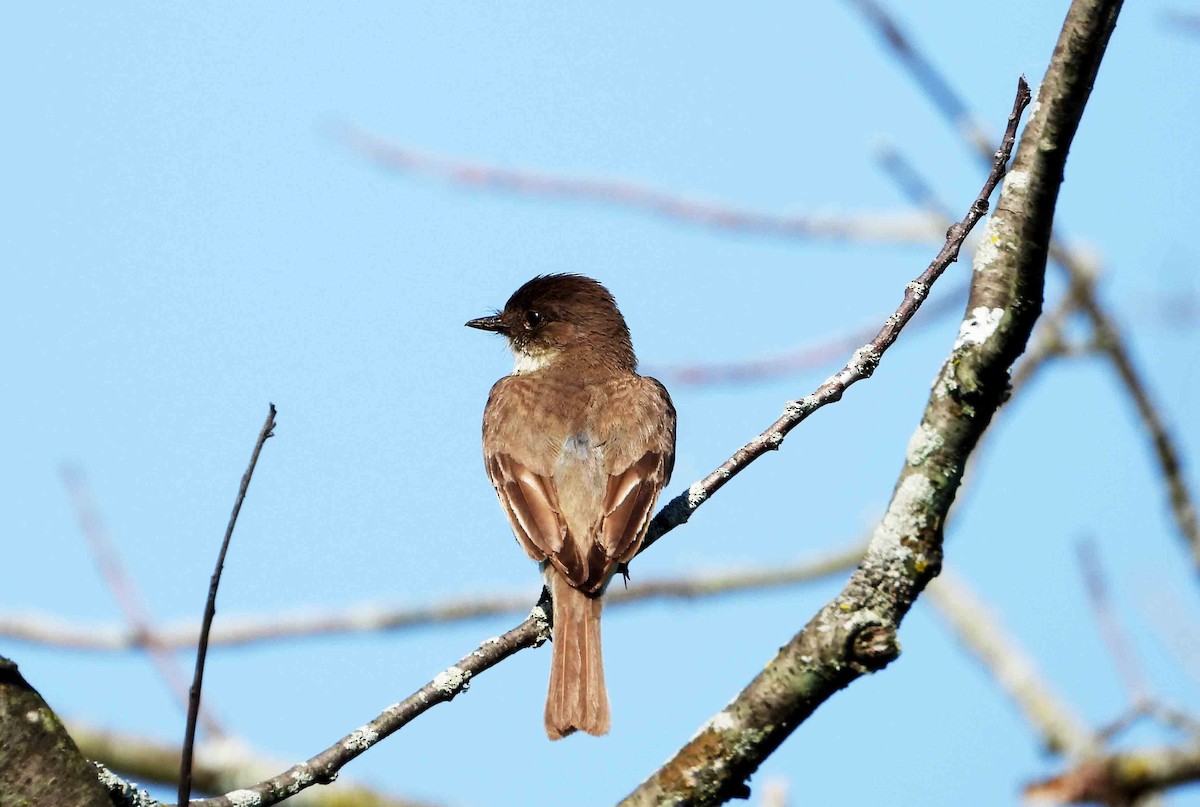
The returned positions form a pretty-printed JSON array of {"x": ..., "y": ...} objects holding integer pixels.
[
  {"x": 632, "y": 493},
  {"x": 531, "y": 505},
  {"x": 628, "y": 506}
]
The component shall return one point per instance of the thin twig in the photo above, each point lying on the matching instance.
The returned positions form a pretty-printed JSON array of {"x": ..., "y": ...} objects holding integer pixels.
[
  {"x": 887, "y": 228},
  {"x": 210, "y": 610},
  {"x": 864, "y": 361},
  {"x": 126, "y": 592},
  {"x": 808, "y": 357}
]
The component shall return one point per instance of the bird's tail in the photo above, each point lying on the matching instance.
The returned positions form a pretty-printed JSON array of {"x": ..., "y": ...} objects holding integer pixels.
[{"x": 577, "y": 699}]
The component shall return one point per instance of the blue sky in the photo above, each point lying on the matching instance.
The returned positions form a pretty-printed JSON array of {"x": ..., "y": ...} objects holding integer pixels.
[{"x": 187, "y": 239}]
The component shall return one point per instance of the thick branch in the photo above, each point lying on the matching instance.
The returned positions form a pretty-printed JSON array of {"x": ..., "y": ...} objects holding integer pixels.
[
  {"x": 855, "y": 633},
  {"x": 1108, "y": 335},
  {"x": 39, "y": 763}
]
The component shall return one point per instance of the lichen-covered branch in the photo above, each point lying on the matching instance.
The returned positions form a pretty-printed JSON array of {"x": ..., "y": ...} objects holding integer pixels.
[
  {"x": 856, "y": 632},
  {"x": 220, "y": 765},
  {"x": 1081, "y": 274},
  {"x": 861, "y": 365},
  {"x": 39, "y": 763},
  {"x": 323, "y": 768}
]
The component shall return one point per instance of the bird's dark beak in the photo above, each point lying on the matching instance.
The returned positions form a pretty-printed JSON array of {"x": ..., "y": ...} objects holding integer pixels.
[{"x": 493, "y": 324}]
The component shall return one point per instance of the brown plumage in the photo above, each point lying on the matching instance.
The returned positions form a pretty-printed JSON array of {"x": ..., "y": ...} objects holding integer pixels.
[{"x": 578, "y": 447}]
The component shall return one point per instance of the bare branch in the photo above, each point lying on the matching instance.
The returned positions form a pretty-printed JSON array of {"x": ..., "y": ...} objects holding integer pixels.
[
  {"x": 808, "y": 357},
  {"x": 210, "y": 610},
  {"x": 323, "y": 768},
  {"x": 855, "y": 633},
  {"x": 1078, "y": 268},
  {"x": 860, "y": 366},
  {"x": 891, "y": 228},
  {"x": 220, "y": 765},
  {"x": 378, "y": 618}
]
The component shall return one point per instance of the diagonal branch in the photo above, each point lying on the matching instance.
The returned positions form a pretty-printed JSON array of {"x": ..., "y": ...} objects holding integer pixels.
[
  {"x": 220, "y": 765},
  {"x": 1107, "y": 334},
  {"x": 797, "y": 360},
  {"x": 324, "y": 767},
  {"x": 856, "y": 632}
]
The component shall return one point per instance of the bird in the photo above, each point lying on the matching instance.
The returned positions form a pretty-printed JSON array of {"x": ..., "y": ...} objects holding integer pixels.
[{"x": 578, "y": 447}]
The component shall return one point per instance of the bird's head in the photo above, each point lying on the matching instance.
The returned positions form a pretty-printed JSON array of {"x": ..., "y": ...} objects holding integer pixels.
[{"x": 556, "y": 316}]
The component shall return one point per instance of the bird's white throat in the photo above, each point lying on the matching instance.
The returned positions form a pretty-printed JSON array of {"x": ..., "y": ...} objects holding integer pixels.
[{"x": 530, "y": 361}]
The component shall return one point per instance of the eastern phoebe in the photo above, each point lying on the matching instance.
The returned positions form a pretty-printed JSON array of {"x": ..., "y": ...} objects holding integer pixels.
[{"x": 578, "y": 447}]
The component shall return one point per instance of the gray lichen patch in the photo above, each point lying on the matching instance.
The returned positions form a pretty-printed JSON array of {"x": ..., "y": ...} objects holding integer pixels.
[
  {"x": 906, "y": 518},
  {"x": 924, "y": 442},
  {"x": 244, "y": 798},
  {"x": 361, "y": 739},
  {"x": 978, "y": 326},
  {"x": 988, "y": 251},
  {"x": 452, "y": 680}
]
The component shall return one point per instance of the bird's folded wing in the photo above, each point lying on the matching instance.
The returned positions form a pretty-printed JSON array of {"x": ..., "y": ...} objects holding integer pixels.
[
  {"x": 531, "y": 505},
  {"x": 629, "y": 504}
]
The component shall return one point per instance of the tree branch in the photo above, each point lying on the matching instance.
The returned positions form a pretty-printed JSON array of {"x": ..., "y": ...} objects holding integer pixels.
[
  {"x": 210, "y": 610},
  {"x": 1081, "y": 274},
  {"x": 323, "y": 768},
  {"x": 855, "y": 633},
  {"x": 887, "y": 228},
  {"x": 220, "y": 765},
  {"x": 377, "y": 618},
  {"x": 125, "y": 591},
  {"x": 39, "y": 763}
]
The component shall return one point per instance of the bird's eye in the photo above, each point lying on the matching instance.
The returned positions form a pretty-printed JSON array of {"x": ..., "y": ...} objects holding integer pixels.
[{"x": 533, "y": 319}]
